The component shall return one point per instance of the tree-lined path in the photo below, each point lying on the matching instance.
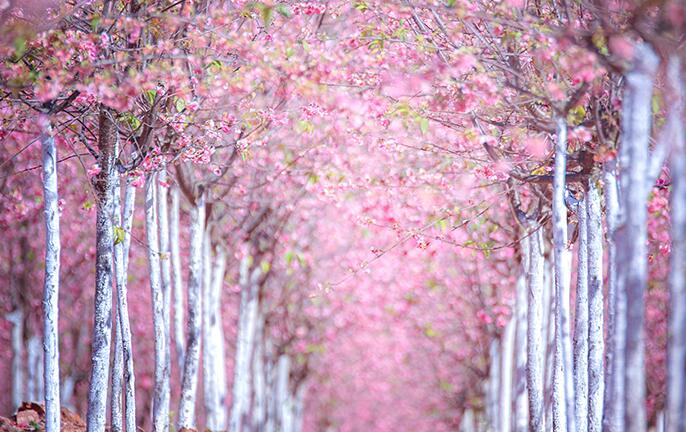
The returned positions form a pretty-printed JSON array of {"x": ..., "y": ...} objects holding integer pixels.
[{"x": 343, "y": 215}]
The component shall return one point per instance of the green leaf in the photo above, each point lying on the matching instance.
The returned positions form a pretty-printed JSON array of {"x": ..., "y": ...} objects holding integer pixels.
[
  {"x": 265, "y": 266},
  {"x": 361, "y": 6},
  {"x": 150, "y": 96},
  {"x": 19, "y": 46},
  {"x": 119, "y": 235},
  {"x": 283, "y": 10},
  {"x": 180, "y": 104},
  {"x": 423, "y": 125},
  {"x": 288, "y": 256},
  {"x": 451, "y": 3},
  {"x": 267, "y": 15},
  {"x": 429, "y": 331}
]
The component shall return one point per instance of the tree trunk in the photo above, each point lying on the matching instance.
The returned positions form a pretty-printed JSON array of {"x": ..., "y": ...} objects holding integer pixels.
[
  {"x": 160, "y": 416},
  {"x": 506, "y": 369},
  {"x": 16, "y": 317},
  {"x": 102, "y": 329},
  {"x": 121, "y": 260},
  {"x": 116, "y": 418},
  {"x": 631, "y": 236},
  {"x": 51, "y": 367},
  {"x": 214, "y": 370},
  {"x": 35, "y": 368},
  {"x": 521, "y": 423},
  {"x": 613, "y": 409},
  {"x": 535, "y": 347},
  {"x": 596, "y": 344},
  {"x": 175, "y": 255},
  {"x": 247, "y": 324},
  {"x": 676, "y": 358},
  {"x": 165, "y": 268},
  {"x": 189, "y": 385},
  {"x": 561, "y": 418},
  {"x": 581, "y": 324}
]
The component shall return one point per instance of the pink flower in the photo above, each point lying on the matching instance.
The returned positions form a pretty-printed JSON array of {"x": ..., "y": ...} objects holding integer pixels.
[{"x": 94, "y": 170}]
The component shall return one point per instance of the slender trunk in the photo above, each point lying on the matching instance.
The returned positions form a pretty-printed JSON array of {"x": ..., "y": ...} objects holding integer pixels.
[
  {"x": 506, "y": 369},
  {"x": 16, "y": 317},
  {"x": 160, "y": 416},
  {"x": 521, "y": 423},
  {"x": 189, "y": 383},
  {"x": 175, "y": 255},
  {"x": 116, "y": 418},
  {"x": 613, "y": 408},
  {"x": 248, "y": 316},
  {"x": 215, "y": 378},
  {"x": 549, "y": 338},
  {"x": 492, "y": 385},
  {"x": 165, "y": 267},
  {"x": 676, "y": 358},
  {"x": 581, "y": 324},
  {"x": 51, "y": 367},
  {"x": 535, "y": 348},
  {"x": 102, "y": 328},
  {"x": 284, "y": 401},
  {"x": 122, "y": 263},
  {"x": 560, "y": 406},
  {"x": 631, "y": 236},
  {"x": 35, "y": 369},
  {"x": 257, "y": 373},
  {"x": 596, "y": 344}
]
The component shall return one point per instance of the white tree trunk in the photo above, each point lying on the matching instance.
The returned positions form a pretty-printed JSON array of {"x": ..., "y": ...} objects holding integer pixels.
[
  {"x": 492, "y": 385},
  {"x": 16, "y": 317},
  {"x": 561, "y": 419},
  {"x": 116, "y": 418},
  {"x": 248, "y": 316},
  {"x": 613, "y": 410},
  {"x": 160, "y": 417},
  {"x": 535, "y": 344},
  {"x": 121, "y": 261},
  {"x": 175, "y": 255},
  {"x": 521, "y": 423},
  {"x": 596, "y": 383},
  {"x": 102, "y": 328},
  {"x": 165, "y": 280},
  {"x": 581, "y": 324},
  {"x": 632, "y": 232},
  {"x": 676, "y": 359},
  {"x": 34, "y": 360},
  {"x": 506, "y": 369},
  {"x": 189, "y": 384},
  {"x": 51, "y": 283},
  {"x": 214, "y": 369}
]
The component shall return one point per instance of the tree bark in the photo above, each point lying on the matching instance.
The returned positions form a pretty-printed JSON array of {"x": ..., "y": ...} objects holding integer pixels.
[
  {"x": 102, "y": 328},
  {"x": 581, "y": 324},
  {"x": 506, "y": 381},
  {"x": 175, "y": 255},
  {"x": 561, "y": 407},
  {"x": 676, "y": 357},
  {"x": 189, "y": 383},
  {"x": 161, "y": 390},
  {"x": 16, "y": 317},
  {"x": 214, "y": 375},
  {"x": 521, "y": 423},
  {"x": 613, "y": 407},
  {"x": 121, "y": 260},
  {"x": 535, "y": 348},
  {"x": 248, "y": 316},
  {"x": 165, "y": 273},
  {"x": 631, "y": 236},
  {"x": 596, "y": 345},
  {"x": 51, "y": 367}
]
